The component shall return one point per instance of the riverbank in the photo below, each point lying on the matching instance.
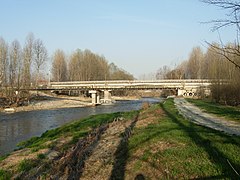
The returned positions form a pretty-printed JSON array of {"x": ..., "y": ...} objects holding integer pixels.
[
  {"x": 56, "y": 103},
  {"x": 45, "y": 101},
  {"x": 42, "y": 101},
  {"x": 153, "y": 143}
]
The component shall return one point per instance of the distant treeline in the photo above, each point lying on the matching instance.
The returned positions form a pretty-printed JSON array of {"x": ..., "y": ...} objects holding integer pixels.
[
  {"x": 85, "y": 66},
  {"x": 24, "y": 67},
  {"x": 217, "y": 65}
]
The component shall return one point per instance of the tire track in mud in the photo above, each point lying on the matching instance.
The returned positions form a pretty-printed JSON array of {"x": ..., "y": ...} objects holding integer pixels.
[{"x": 197, "y": 116}]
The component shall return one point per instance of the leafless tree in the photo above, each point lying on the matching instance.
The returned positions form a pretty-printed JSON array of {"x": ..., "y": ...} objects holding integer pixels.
[
  {"x": 59, "y": 66},
  {"x": 162, "y": 72},
  {"x": 232, "y": 19},
  {"x": 3, "y": 61},
  {"x": 15, "y": 64},
  {"x": 86, "y": 66},
  {"x": 75, "y": 66},
  {"x": 119, "y": 74},
  {"x": 40, "y": 56},
  {"x": 194, "y": 63},
  {"x": 27, "y": 60}
]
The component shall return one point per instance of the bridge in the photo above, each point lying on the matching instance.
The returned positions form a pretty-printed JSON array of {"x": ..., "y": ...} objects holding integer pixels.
[{"x": 186, "y": 87}]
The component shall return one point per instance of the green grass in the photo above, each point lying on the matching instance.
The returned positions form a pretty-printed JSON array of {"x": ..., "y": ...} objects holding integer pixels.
[
  {"x": 41, "y": 156},
  {"x": 190, "y": 151},
  {"x": 25, "y": 165},
  {"x": 229, "y": 112},
  {"x": 4, "y": 175},
  {"x": 3, "y": 157}
]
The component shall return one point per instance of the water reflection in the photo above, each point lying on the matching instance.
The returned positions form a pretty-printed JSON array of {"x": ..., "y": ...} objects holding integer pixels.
[{"x": 21, "y": 126}]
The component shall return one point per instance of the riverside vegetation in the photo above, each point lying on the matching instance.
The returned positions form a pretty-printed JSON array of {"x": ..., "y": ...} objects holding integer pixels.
[{"x": 155, "y": 142}]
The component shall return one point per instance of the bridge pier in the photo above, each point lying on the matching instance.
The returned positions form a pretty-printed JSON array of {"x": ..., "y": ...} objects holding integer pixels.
[
  {"x": 107, "y": 98},
  {"x": 95, "y": 97}
]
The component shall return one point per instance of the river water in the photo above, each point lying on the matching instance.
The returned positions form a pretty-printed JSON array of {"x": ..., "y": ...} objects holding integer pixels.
[{"x": 20, "y": 126}]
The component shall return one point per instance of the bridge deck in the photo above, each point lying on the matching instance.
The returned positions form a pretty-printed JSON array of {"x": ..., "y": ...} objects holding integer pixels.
[{"x": 133, "y": 85}]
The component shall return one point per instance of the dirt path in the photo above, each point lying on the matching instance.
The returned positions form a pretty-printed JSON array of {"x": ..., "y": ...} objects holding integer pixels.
[{"x": 196, "y": 115}]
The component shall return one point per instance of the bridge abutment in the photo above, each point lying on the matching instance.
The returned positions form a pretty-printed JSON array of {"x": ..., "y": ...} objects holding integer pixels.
[{"x": 180, "y": 92}]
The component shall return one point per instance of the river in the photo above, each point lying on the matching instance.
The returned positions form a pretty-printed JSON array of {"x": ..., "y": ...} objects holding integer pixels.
[{"x": 20, "y": 126}]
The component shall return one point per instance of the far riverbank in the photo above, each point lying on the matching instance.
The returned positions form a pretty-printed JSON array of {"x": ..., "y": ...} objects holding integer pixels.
[{"x": 48, "y": 102}]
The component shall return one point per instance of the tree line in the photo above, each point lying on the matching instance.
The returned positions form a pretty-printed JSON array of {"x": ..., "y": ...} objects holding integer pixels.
[
  {"x": 20, "y": 66},
  {"x": 23, "y": 67},
  {"x": 220, "y": 63},
  {"x": 85, "y": 66},
  {"x": 209, "y": 65}
]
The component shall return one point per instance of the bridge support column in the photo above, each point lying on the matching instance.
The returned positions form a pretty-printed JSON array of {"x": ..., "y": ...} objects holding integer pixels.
[
  {"x": 107, "y": 94},
  {"x": 95, "y": 97},
  {"x": 107, "y": 97},
  {"x": 98, "y": 98}
]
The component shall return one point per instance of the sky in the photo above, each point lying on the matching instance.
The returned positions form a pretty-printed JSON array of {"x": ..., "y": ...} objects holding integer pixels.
[{"x": 139, "y": 36}]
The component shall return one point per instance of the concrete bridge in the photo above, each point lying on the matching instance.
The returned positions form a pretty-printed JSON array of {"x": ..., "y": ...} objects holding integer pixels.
[{"x": 186, "y": 87}]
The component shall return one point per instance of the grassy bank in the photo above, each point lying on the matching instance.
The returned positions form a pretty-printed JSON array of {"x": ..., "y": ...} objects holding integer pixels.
[
  {"x": 158, "y": 144},
  {"x": 42, "y": 150},
  {"x": 174, "y": 148},
  {"x": 232, "y": 113}
]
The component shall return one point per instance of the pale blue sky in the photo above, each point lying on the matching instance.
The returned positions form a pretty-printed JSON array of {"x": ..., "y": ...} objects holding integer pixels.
[{"x": 138, "y": 35}]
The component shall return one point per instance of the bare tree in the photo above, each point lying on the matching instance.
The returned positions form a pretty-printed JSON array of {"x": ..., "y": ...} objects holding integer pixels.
[
  {"x": 232, "y": 19},
  {"x": 15, "y": 64},
  {"x": 194, "y": 63},
  {"x": 40, "y": 56},
  {"x": 119, "y": 74},
  {"x": 59, "y": 66},
  {"x": 27, "y": 59},
  {"x": 87, "y": 66},
  {"x": 75, "y": 66},
  {"x": 162, "y": 72},
  {"x": 3, "y": 61}
]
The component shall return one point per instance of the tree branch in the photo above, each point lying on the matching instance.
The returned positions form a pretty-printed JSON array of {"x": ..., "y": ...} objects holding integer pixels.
[{"x": 224, "y": 52}]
